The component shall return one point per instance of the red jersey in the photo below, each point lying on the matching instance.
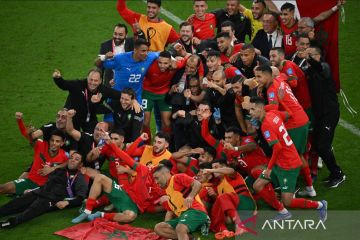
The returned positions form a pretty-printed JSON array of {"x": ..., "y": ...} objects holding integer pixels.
[
  {"x": 42, "y": 157},
  {"x": 234, "y": 183},
  {"x": 192, "y": 166},
  {"x": 289, "y": 103},
  {"x": 225, "y": 59},
  {"x": 113, "y": 161},
  {"x": 204, "y": 29},
  {"x": 289, "y": 39},
  {"x": 135, "y": 187},
  {"x": 274, "y": 131},
  {"x": 298, "y": 83},
  {"x": 251, "y": 159},
  {"x": 179, "y": 187},
  {"x": 159, "y": 82}
]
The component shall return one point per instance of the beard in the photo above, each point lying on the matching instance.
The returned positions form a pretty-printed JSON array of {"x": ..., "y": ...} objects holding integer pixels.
[{"x": 118, "y": 41}]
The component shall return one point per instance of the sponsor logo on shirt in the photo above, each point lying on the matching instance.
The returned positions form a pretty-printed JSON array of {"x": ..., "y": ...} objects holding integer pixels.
[
  {"x": 267, "y": 134},
  {"x": 271, "y": 95},
  {"x": 289, "y": 71}
]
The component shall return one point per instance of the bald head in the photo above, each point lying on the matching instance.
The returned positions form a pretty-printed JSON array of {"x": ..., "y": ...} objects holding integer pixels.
[{"x": 219, "y": 78}]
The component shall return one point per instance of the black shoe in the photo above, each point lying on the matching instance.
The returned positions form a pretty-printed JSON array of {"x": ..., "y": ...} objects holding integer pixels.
[{"x": 334, "y": 182}]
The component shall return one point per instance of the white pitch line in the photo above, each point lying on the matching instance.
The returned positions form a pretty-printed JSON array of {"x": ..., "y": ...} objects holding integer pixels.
[{"x": 348, "y": 126}]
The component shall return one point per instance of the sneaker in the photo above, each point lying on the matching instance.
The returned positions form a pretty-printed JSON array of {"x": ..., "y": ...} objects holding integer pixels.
[
  {"x": 5, "y": 224},
  {"x": 307, "y": 193},
  {"x": 80, "y": 218},
  {"x": 109, "y": 208},
  {"x": 334, "y": 182},
  {"x": 93, "y": 216},
  {"x": 281, "y": 216},
  {"x": 320, "y": 163},
  {"x": 323, "y": 211}
]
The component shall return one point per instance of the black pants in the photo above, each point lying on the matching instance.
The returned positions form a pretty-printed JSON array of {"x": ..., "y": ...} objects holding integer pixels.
[
  {"x": 27, "y": 207},
  {"x": 324, "y": 130}
]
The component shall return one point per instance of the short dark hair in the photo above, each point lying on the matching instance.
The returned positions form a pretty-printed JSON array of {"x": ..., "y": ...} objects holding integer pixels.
[
  {"x": 129, "y": 91},
  {"x": 157, "y": 2},
  {"x": 165, "y": 54},
  {"x": 118, "y": 131},
  {"x": 317, "y": 49},
  {"x": 139, "y": 42},
  {"x": 163, "y": 135},
  {"x": 288, "y": 6},
  {"x": 163, "y": 164},
  {"x": 260, "y": 1},
  {"x": 210, "y": 150},
  {"x": 186, "y": 24},
  {"x": 76, "y": 152},
  {"x": 303, "y": 35},
  {"x": 204, "y": 102},
  {"x": 248, "y": 46},
  {"x": 97, "y": 70},
  {"x": 213, "y": 53},
  {"x": 280, "y": 50},
  {"x": 59, "y": 133},
  {"x": 121, "y": 25},
  {"x": 238, "y": 79},
  {"x": 274, "y": 14},
  {"x": 228, "y": 24},
  {"x": 221, "y": 161},
  {"x": 223, "y": 34},
  {"x": 205, "y": 165},
  {"x": 264, "y": 68},
  {"x": 233, "y": 129},
  {"x": 257, "y": 100}
]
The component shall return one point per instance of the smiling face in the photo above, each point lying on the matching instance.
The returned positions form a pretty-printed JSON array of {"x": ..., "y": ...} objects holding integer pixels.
[
  {"x": 263, "y": 78},
  {"x": 269, "y": 23},
  {"x": 223, "y": 43},
  {"x": 140, "y": 53},
  {"x": 247, "y": 56},
  {"x": 200, "y": 8},
  {"x": 202, "y": 111},
  {"x": 125, "y": 101},
  {"x": 164, "y": 64},
  {"x": 257, "y": 10},
  {"x": 119, "y": 35},
  {"x": 232, "y": 6},
  {"x": 74, "y": 161},
  {"x": 287, "y": 17},
  {"x": 275, "y": 58},
  {"x": 159, "y": 145},
  {"x": 93, "y": 81},
  {"x": 61, "y": 119},
  {"x": 237, "y": 88},
  {"x": 55, "y": 143},
  {"x": 153, "y": 10},
  {"x": 186, "y": 33},
  {"x": 302, "y": 44},
  {"x": 213, "y": 63},
  {"x": 257, "y": 111},
  {"x": 117, "y": 139}
]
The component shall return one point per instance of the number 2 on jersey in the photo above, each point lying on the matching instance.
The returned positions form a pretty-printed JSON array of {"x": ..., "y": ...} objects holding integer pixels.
[
  {"x": 286, "y": 136},
  {"x": 134, "y": 78}
]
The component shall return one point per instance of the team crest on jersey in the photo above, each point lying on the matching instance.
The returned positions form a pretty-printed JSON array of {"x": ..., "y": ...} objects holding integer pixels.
[
  {"x": 267, "y": 134},
  {"x": 271, "y": 95},
  {"x": 237, "y": 72},
  {"x": 289, "y": 71},
  {"x": 211, "y": 26},
  {"x": 142, "y": 69}
]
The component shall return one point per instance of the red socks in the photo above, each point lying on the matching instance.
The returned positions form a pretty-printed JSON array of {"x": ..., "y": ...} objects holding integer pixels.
[
  {"x": 269, "y": 196},
  {"x": 90, "y": 203},
  {"x": 305, "y": 172},
  {"x": 109, "y": 216},
  {"x": 303, "y": 203}
]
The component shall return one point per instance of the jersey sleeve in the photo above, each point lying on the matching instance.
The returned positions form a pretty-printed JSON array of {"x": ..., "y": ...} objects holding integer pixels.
[
  {"x": 183, "y": 180},
  {"x": 173, "y": 36},
  {"x": 292, "y": 78},
  {"x": 128, "y": 15},
  {"x": 269, "y": 134}
]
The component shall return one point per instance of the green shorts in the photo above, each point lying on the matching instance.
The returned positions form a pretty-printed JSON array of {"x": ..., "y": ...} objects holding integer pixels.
[
  {"x": 121, "y": 199},
  {"x": 310, "y": 115},
  {"x": 24, "y": 184},
  {"x": 299, "y": 137},
  {"x": 193, "y": 219},
  {"x": 286, "y": 179},
  {"x": 149, "y": 99},
  {"x": 246, "y": 203}
]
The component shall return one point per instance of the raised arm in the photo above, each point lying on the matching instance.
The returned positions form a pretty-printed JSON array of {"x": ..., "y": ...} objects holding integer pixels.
[
  {"x": 26, "y": 132},
  {"x": 75, "y": 134},
  {"x": 272, "y": 7},
  {"x": 128, "y": 15},
  {"x": 326, "y": 14}
]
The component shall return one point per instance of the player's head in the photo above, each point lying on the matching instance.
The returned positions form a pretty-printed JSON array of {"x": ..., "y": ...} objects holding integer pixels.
[
  {"x": 93, "y": 79},
  {"x": 223, "y": 41},
  {"x": 98, "y": 130},
  {"x": 232, "y": 135},
  {"x": 153, "y": 8},
  {"x": 219, "y": 78},
  {"x": 218, "y": 163},
  {"x": 162, "y": 173},
  {"x": 237, "y": 84},
  {"x": 203, "y": 110},
  {"x": 277, "y": 55},
  {"x": 186, "y": 32},
  {"x": 75, "y": 161},
  {"x": 287, "y": 13},
  {"x": 192, "y": 65},
  {"x": 257, "y": 9},
  {"x": 117, "y": 137},
  {"x": 194, "y": 86},
  {"x": 305, "y": 25},
  {"x": 120, "y": 33},
  {"x": 232, "y": 6},
  {"x": 257, "y": 110},
  {"x": 127, "y": 97},
  {"x": 247, "y": 54},
  {"x": 228, "y": 27},
  {"x": 161, "y": 142},
  {"x": 57, "y": 139},
  {"x": 302, "y": 42},
  {"x": 141, "y": 48},
  {"x": 270, "y": 22},
  {"x": 200, "y": 7},
  {"x": 164, "y": 61},
  {"x": 201, "y": 176},
  {"x": 208, "y": 155},
  {"x": 314, "y": 52},
  {"x": 263, "y": 75},
  {"x": 213, "y": 60},
  {"x": 60, "y": 121}
]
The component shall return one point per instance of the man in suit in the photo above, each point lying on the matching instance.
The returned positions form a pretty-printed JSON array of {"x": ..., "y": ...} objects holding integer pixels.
[
  {"x": 120, "y": 43},
  {"x": 270, "y": 36}
]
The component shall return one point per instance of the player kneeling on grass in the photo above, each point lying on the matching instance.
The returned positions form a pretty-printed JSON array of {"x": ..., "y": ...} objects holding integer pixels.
[
  {"x": 65, "y": 188},
  {"x": 285, "y": 163},
  {"x": 185, "y": 211}
]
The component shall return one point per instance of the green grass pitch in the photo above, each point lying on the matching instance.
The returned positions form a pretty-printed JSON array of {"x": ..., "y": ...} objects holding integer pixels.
[{"x": 38, "y": 36}]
